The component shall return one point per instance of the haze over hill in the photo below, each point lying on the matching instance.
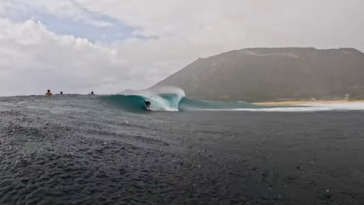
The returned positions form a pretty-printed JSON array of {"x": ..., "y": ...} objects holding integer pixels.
[{"x": 266, "y": 74}]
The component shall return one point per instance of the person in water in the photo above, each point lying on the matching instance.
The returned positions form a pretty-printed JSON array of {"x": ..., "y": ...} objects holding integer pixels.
[
  {"x": 147, "y": 104},
  {"x": 61, "y": 93},
  {"x": 92, "y": 93},
  {"x": 48, "y": 93}
]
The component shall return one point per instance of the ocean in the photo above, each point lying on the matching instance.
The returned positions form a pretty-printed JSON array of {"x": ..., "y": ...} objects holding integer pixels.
[{"x": 108, "y": 149}]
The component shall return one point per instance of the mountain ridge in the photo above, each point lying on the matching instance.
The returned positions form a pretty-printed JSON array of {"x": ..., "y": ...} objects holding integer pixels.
[{"x": 266, "y": 74}]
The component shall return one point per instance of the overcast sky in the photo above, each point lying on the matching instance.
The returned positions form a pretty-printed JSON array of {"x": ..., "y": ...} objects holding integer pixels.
[{"x": 76, "y": 46}]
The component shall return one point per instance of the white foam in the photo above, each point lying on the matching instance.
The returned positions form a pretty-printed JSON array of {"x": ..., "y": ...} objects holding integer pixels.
[
  {"x": 317, "y": 107},
  {"x": 160, "y": 104}
]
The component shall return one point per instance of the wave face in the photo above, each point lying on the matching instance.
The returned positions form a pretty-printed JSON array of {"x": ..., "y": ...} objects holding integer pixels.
[
  {"x": 164, "y": 98},
  {"x": 135, "y": 103},
  {"x": 167, "y": 99}
]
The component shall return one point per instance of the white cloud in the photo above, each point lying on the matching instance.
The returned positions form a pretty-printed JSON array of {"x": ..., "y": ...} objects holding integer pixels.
[
  {"x": 33, "y": 59},
  {"x": 242, "y": 22}
]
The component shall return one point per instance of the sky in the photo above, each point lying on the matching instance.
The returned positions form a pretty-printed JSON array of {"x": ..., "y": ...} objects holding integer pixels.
[{"x": 79, "y": 46}]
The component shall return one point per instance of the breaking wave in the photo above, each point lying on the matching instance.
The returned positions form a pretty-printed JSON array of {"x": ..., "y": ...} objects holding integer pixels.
[
  {"x": 173, "y": 99},
  {"x": 167, "y": 99}
]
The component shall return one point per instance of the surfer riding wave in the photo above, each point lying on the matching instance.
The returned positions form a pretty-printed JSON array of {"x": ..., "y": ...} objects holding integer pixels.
[{"x": 147, "y": 105}]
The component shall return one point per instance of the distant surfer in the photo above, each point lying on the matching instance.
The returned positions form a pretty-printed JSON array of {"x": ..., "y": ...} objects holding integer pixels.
[
  {"x": 48, "y": 93},
  {"x": 61, "y": 93},
  {"x": 147, "y": 105},
  {"x": 92, "y": 93}
]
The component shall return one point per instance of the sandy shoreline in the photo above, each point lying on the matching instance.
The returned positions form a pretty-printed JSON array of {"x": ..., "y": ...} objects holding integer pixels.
[{"x": 307, "y": 102}]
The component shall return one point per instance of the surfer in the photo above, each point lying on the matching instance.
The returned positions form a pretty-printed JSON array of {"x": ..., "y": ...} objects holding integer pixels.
[
  {"x": 92, "y": 93},
  {"x": 48, "y": 93},
  {"x": 61, "y": 93},
  {"x": 147, "y": 105}
]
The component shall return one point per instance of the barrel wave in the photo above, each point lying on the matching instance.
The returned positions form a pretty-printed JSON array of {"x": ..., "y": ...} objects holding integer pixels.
[{"x": 167, "y": 99}]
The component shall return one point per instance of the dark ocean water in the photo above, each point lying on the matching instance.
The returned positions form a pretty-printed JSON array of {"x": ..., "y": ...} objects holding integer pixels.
[{"x": 86, "y": 150}]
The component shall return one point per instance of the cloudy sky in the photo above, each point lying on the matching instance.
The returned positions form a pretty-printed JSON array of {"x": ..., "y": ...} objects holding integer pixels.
[{"x": 107, "y": 46}]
